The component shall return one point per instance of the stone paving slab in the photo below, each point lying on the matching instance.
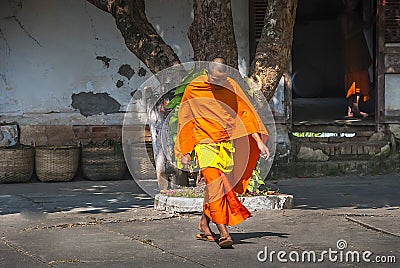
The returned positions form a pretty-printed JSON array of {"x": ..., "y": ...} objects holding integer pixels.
[
  {"x": 179, "y": 239},
  {"x": 387, "y": 223},
  {"x": 10, "y": 204},
  {"x": 311, "y": 230},
  {"x": 9, "y": 257},
  {"x": 335, "y": 192},
  {"x": 88, "y": 244},
  {"x": 75, "y": 196},
  {"x": 142, "y": 237}
]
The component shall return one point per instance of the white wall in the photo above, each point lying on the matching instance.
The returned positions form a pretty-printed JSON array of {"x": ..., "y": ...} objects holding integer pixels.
[
  {"x": 48, "y": 51},
  {"x": 42, "y": 75},
  {"x": 172, "y": 22},
  {"x": 240, "y": 13},
  {"x": 392, "y": 94}
]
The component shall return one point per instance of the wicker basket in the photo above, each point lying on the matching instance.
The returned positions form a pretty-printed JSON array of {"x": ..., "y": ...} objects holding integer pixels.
[
  {"x": 56, "y": 163},
  {"x": 16, "y": 164},
  {"x": 101, "y": 162},
  {"x": 139, "y": 164}
]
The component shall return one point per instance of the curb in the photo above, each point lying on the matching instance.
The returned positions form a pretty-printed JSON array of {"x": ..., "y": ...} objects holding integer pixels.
[{"x": 192, "y": 205}]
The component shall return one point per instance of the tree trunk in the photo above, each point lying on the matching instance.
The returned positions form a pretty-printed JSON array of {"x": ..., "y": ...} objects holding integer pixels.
[
  {"x": 275, "y": 45},
  {"x": 140, "y": 36},
  {"x": 211, "y": 32},
  {"x": 143, "y": 40},
  {"x": 211, "y": 35}
]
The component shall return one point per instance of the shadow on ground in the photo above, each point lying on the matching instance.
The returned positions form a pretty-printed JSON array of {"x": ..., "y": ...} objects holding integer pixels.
[
  {"x": 76, "y": 196},
  {"x": 339, "y": 192},
  {"x": 239, "y": 238}
]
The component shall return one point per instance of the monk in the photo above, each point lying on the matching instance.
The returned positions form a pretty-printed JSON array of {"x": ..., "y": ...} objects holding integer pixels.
[
  {"x": 356, "y": 58},
  {"x": 217, "y": 121}
]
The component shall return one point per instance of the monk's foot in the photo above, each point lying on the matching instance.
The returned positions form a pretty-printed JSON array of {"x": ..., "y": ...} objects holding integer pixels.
[
  {"x": 205, "y": 232},
  {"x": 363, "y": 114},
  {"x": 356, "y": 111},
  {"x": 206, "y": 237},
  {"x": 225, "y": 241},
  {"x": 349, "y": 112}
]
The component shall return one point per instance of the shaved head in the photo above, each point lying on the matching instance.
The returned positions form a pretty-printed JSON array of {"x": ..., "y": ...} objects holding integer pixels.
[
  {"x": 217, "y": 71},
  {"x": 219, "y": 60},
  {"x": 218, "y": 64}
]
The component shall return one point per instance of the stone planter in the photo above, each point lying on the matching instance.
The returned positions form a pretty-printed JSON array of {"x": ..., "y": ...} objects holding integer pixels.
[{"x": 253, "y": 203}]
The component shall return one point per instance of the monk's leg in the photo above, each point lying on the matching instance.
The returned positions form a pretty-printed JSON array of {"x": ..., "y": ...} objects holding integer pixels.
[
  {"x": 356, "y": 108},
  {"x": 204, "y": 227},
  {"x": 358, "y": 97},
  {"x": 221, "y": 205},
  {"x": 349, "y": 106},
  {"x": 358, "y": 85},
  {"x": 223, "y": 231}
]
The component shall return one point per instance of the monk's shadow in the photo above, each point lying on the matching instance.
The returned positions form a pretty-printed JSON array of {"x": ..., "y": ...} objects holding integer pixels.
[{"x": 239, "y": 238}]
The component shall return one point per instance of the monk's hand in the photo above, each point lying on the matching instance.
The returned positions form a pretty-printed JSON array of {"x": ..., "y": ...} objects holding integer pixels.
[
  {"x": 264, "y": 151},
  {"x": 185, "y": 160}
]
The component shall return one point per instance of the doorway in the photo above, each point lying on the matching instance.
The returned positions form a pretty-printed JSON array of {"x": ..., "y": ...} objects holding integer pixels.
[{"x": 318, "y": 65}]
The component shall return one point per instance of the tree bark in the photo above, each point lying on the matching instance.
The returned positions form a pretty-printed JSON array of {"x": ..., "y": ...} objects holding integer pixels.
[
  {"x": 211, "y": 32},
  {"x": 275, "y": 45},
  {"x": 143, "y": 40},
  {"x": 140, "y": 36}
]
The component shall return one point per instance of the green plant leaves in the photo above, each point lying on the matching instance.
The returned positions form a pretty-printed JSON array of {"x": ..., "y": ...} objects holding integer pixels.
[
  {"x": 256, "y": 180},
  {"x": 174, "y": 102}
]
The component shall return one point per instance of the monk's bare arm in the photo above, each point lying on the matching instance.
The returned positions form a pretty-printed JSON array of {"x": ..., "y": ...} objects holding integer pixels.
[{"x": 264, "y": 152}]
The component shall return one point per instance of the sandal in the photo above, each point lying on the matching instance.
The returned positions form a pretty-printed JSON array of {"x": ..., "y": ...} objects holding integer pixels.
[
  {"x": 225, "y": 242},
  {"x": 206, "y": 237}
]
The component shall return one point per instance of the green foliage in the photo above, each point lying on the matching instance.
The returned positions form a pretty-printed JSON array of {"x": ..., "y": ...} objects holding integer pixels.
[
  {"x": 173, "y": 122},
  {"x": 117, "y": 145},
  {"x": 190, "y": 192},
  {"x": 192, "y": 74},
  {"x": 110, "y": 143},
  {"x": 307, "y": 134},
  {"x": 176, "y": 100},
  {"x": 250, "y": 90},
  {"x": 256, "y": 180}
]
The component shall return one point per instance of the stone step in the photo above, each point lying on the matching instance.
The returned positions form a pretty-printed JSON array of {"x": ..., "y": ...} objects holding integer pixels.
[
  {"x": 335, "y": 168},
  {"x": 321, "y": 151},
  {"x": 336, "y": 126}
]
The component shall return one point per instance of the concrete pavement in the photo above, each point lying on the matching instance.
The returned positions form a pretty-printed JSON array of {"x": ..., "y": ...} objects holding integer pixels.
[{"x": 112, "y": 224}]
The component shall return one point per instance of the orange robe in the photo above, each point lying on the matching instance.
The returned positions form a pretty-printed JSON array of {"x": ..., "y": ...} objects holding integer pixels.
[
  {"x": 211, "y": 114},
  {"x": 356, "y": 57}
]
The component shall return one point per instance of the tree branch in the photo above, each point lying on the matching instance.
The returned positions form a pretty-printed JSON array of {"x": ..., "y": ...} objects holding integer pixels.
[{"x": 140, "y": 36}]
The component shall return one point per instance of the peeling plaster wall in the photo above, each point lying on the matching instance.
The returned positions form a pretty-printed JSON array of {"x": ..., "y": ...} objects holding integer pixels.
[
  {"x": 54, "y": 55},
  {"x": 53, "y": 49},
  {"x": 172, "y": 22}
]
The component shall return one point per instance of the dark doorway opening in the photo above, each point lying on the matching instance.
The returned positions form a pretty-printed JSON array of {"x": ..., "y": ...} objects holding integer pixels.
[{"x": 318, "y": 65}]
